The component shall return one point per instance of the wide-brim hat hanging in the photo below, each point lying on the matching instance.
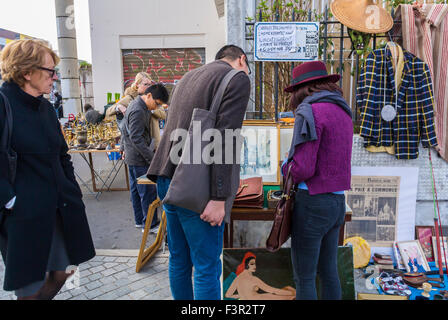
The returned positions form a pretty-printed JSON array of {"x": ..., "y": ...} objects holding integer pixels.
[{"x": 362, "y": 15}]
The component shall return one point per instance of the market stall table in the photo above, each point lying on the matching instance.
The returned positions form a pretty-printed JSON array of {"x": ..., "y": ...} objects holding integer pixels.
[
  {"x": 264, "y": 214},
  {"x": 111, "y": 176}
]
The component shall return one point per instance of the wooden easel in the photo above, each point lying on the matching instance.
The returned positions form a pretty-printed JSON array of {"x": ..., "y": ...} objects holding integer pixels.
[{"x": 145, "y": 254}]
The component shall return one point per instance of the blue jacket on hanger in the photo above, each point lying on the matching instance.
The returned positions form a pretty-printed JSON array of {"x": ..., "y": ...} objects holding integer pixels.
[{"x": 415, "y": 116}]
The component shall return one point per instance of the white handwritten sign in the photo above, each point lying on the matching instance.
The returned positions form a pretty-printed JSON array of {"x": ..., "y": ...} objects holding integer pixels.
[{"x": 286, "y": 41}]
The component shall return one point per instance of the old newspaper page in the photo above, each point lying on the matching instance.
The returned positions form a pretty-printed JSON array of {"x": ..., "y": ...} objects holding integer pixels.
[{"x": 374, "y": 203}]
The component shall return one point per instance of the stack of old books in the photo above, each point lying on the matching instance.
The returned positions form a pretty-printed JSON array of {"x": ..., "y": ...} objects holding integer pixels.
[{"x": 383, "y": 261}]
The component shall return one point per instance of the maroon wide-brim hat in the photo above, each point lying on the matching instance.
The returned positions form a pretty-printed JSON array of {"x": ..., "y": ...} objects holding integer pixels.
[{"x": 310, "y": 71}]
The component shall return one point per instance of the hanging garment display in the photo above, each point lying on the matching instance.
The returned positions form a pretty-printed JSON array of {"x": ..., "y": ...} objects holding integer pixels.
[
  {"x": 424, "y": 31},
  {"x": 379, "y": 85}
]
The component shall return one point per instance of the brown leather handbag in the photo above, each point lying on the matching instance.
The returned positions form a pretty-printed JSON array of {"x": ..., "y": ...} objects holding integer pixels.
[
  {"x": 281, "y": 228},
  {"x": 250, "y": 193}
]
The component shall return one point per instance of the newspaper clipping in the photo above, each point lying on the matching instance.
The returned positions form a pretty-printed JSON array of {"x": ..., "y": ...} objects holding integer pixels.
[{"x": 374, "y": 203}]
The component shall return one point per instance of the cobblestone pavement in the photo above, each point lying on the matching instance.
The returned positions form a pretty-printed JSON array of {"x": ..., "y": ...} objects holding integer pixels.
[{"x": 112, "y": 276}]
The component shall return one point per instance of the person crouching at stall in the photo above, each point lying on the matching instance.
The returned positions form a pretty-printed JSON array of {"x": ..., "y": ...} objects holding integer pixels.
[
  {"x": 320, "y": 163},
  {"x": 44, "y": 231}
]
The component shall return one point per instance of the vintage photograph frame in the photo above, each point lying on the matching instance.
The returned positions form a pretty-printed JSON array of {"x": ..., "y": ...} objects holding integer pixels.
[
  {"x": 434, "y": 245},
  {"x": 411, "y": 251},
  {"x": 424, "y": 235},
  {"x": 260, "y": 152}
]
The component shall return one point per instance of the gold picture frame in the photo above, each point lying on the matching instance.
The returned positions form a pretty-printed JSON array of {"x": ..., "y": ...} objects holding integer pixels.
[{"x": 260, "y": 151}]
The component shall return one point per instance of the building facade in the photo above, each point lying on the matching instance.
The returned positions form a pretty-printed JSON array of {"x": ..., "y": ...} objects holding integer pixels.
[{"x": 165, "y": 38}]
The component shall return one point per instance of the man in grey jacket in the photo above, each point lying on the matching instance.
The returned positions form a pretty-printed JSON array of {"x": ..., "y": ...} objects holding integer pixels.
[
  {"x": 139, "y": 149},
  {"x": 196, "y": 238}
]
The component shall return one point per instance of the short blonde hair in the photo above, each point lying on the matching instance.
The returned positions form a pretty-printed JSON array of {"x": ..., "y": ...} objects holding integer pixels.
[
  {"x": 20, "y": 57},
  {"x": 132, "y": 90}
]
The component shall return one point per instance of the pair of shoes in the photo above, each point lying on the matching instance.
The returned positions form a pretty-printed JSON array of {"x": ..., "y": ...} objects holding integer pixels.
[{"x": 139, "y": 225}]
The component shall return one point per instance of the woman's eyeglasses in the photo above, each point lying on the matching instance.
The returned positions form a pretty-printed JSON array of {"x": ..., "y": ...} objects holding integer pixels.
[{"x": 52, "y": 71}]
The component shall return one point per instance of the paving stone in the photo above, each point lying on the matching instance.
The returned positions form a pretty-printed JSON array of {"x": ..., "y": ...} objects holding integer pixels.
[
  {"x": 79, "y": 297},
  {"x": 114, "y": 278},
  {"x": 121, "y": 267},
  {"x": 108, "y": 272},
  {"x": 93, "y": 285},
  {"x": 97, "y": 269},
  {"x": 109, "y": 259},
  {"x": 93, "y": 293},
  {"x": 94, "y": 276},
  {"x": 63, "y": 296},
  {"x": 108, "y": 280},
  {"x": 136, "y": 295}
]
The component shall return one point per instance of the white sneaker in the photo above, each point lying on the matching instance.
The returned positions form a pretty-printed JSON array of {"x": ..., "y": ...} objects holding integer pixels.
[{"x": 139, "y": 226}]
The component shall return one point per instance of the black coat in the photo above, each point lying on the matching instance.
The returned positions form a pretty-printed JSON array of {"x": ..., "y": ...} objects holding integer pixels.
[{"x": 45, "y": 182}]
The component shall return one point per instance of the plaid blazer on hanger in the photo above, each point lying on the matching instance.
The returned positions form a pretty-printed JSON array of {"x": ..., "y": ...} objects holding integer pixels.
[{"x": 415, "y": 119}]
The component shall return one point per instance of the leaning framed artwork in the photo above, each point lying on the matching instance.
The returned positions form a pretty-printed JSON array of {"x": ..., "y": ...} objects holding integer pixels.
[
  {"x": 413, "y": 256},
  {"x": 424, "y": 235},
  {"x": 260, "y": 152}
]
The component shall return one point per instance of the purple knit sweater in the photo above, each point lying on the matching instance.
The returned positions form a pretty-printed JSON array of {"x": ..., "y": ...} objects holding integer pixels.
[{"x": 325, "y": 164}]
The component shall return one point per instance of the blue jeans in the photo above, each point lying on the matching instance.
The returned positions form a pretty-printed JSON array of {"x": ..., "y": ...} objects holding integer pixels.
[
  {"x": 192, "y": 243},
  {"x": 314, "y": 244},
  {"x": 141, "y": 195}
]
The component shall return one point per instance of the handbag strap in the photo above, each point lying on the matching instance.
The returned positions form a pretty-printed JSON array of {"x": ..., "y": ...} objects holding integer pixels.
[
  {"x": 7, "y": 129},
  {"x": 217, "y": 99},
  {"x": 289, "y": 186}
]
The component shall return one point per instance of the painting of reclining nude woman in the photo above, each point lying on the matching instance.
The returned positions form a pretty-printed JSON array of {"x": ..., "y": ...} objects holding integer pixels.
[{"x": 258, "y": 275}]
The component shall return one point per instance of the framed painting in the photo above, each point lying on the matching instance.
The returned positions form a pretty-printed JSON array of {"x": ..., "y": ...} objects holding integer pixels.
[
  {"x": 413, "y": 256},
  {"x": 424, "y": 235},
  {"x": 443, "y": 245},
  {"x": 260, "y": 151}
]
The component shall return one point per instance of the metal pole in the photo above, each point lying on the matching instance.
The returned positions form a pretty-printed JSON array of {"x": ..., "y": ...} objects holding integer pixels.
[
  {"x": 293, "y": 20},
  {"x": 68, "y": 53},
  {"x": 356, "y": 84},
  {"x": 260, "y": 78},
  {"x": 341, "y": 55},
  {"x": 325, "y": 34},
  {"x": 276, "y": 76}
]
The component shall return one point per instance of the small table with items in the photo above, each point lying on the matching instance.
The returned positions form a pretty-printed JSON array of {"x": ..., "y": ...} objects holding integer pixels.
[{"x": 111, "y": 176}]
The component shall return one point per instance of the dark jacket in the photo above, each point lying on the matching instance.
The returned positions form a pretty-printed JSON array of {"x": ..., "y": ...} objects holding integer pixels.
[
  {"x": 196, "y": 90},
  {"x": 136, "y": 134},
  {"x": 45, "y": 182}
]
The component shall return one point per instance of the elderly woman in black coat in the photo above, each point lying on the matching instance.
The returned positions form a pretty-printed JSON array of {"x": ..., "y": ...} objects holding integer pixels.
[{"x": 43, "y": 224}]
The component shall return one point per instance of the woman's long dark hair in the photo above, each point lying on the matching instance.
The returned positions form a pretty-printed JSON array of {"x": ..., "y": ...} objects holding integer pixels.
[{"x": 308, "y": 89}]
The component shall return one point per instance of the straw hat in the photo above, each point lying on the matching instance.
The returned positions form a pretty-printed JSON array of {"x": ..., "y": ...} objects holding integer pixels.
[{"x": 362, "y": 15}]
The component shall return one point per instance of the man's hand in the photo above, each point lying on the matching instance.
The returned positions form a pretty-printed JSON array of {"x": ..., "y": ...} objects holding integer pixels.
[
  {"x": 123, "y": 155},
  {"x": 121, "y": 108},
  {"x": 214, "y": 213}
]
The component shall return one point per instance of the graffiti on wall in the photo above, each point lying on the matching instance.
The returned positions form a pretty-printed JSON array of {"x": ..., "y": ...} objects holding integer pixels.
[{"x": 163, "y": 65}]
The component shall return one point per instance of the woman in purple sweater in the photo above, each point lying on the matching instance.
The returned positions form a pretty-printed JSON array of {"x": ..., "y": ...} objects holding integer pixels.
[{"x": 320, "y": 163}]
